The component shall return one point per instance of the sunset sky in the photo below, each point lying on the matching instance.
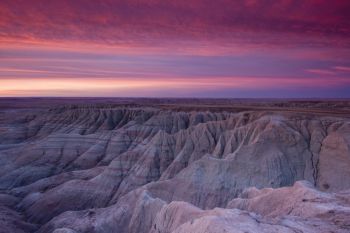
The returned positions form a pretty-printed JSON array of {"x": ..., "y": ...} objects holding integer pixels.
[{"x": 175, "y": 48}]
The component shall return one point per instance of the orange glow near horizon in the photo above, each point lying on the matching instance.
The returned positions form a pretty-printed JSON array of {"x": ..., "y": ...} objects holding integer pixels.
[{"x": 128, "y": 87}]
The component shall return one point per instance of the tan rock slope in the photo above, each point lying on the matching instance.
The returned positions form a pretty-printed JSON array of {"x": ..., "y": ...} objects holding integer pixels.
[{"x": 97, "y": 168}]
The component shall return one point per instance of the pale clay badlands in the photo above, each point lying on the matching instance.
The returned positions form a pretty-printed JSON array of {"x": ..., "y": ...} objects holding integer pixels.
[{"x": 126, "y": 169}]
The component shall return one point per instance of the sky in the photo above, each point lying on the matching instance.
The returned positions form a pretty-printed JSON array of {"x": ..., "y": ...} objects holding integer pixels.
[{"x": 175, "y": 48}]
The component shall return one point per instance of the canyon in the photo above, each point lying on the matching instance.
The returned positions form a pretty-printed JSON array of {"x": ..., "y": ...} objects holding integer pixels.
[{"x": 174, "y": 165}]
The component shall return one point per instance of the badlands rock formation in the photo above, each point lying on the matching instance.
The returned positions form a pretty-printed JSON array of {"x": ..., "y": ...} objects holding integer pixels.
[{"x": 170, "y": 168}]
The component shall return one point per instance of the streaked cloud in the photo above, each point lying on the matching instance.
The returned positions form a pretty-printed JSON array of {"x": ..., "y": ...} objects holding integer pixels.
[
  {"x": 342, "y": 68},
  {"x": 240, "y": 48},
  {"x": 321, "y": 71},
  {"x": 146, "y": 22}
]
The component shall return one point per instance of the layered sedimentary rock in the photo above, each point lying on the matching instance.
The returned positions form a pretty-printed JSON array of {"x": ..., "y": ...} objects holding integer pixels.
[{"x": 131, "y": 169}]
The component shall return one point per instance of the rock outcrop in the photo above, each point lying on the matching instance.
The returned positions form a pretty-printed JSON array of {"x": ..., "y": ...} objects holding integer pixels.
[{"x": 132, "y": 169}]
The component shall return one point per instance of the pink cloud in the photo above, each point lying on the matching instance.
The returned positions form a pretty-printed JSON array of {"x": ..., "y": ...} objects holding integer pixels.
[
  {"x": 322, "y": 71},
  {"x": 342, "y": 68},
  {"x": 149, "y": 22}
]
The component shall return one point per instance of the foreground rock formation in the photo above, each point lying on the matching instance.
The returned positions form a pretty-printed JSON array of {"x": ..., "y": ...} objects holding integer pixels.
[{"x": 167, "y": 169}]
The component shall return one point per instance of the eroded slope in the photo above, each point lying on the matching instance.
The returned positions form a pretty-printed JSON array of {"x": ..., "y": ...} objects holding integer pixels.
[{"x": 94, "y": 169}]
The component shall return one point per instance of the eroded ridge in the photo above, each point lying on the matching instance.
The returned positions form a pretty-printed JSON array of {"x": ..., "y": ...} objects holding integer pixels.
[{"x": 92, "y": 168}]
